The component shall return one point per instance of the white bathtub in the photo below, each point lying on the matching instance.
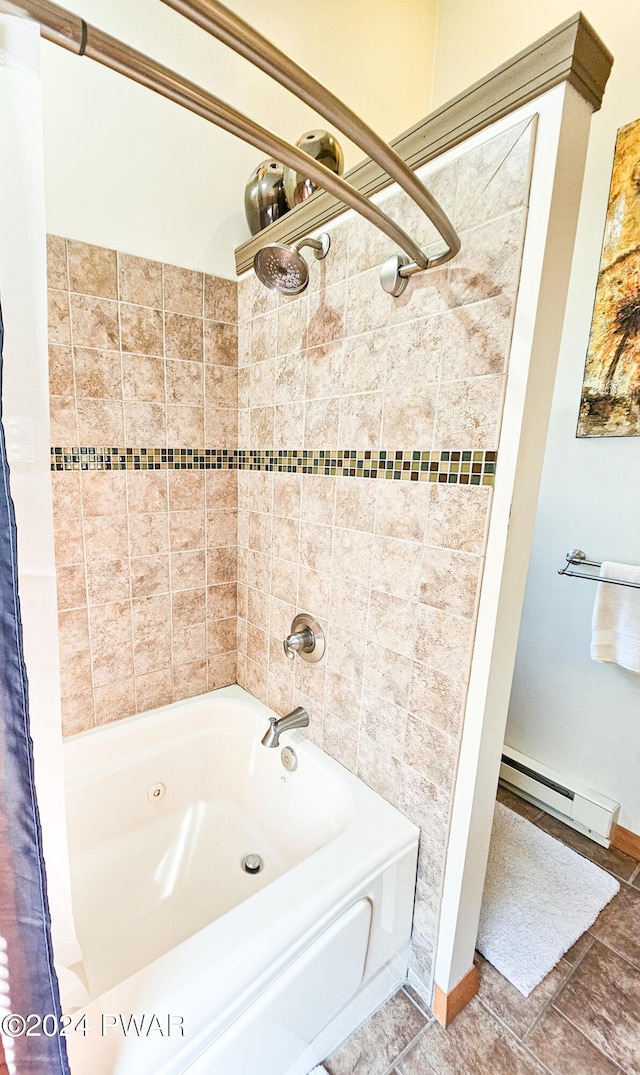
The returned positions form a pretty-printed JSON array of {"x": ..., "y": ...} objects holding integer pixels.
[{"x": 264, "y": 973}]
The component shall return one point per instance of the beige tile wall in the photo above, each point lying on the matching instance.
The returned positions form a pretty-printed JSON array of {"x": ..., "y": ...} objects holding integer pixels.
[
  {"x": 141, "y": 355},
  {"x": 146, "y": 354},
  {"x": 391, "y": 569}
]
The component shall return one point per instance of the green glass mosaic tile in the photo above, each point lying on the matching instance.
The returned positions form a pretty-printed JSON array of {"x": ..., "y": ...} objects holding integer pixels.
[{"x": 459, "y": 467}]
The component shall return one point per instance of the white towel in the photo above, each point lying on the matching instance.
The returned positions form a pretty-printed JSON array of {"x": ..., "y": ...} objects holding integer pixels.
[{"x": 615, "y": 625}]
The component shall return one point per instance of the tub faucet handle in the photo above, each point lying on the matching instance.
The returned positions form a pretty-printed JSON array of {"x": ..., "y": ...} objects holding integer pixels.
[
  {"x": 306, "y": 638},
  {"x": 299, "y": 642}
]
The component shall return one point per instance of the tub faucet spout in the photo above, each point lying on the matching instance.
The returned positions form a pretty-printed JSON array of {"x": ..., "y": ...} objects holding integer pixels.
[{"x": 298, "y": 718}]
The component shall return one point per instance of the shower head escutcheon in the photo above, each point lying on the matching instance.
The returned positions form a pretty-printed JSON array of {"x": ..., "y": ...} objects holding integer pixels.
[{"x": 282, "y": 268}]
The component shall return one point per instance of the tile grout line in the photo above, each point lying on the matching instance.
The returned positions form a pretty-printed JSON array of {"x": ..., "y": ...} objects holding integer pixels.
[
  {"x": 422, "y": 1007},
  {"x": 82, "y": 515},
  {"x": 126, "y": 490},
  {"x": 511, "y": 149},
  {"x": 550, "y": 1002},
  {"x": 629, "y": 962},
  {"x": 331, "y": 581},
  {"x": 71, "y": 346},
  {"x": 607, "y": 1056},
  {"x": 514, "y": 1037},
  {"x": 170, "y": 548},
  {"x": 207, "y": 557},
  {"x": 421, "y": 1033},
  {"x": 367, "y": 633}
]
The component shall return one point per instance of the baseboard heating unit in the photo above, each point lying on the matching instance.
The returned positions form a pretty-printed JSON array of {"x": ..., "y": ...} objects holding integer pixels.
[{"x": 584, "y": 809}]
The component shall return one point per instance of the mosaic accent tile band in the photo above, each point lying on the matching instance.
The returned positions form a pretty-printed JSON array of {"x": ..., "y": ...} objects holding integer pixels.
[{"x": 454, "y": 467}]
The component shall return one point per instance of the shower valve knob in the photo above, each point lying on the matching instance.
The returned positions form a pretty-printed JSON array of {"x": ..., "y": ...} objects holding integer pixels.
[
  {"x": 306, "y": 638},
  {"x": 299, "y": 642}
]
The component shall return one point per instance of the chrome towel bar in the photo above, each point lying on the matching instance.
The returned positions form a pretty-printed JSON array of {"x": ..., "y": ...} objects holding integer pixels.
[{"x": 576, "y": 556}]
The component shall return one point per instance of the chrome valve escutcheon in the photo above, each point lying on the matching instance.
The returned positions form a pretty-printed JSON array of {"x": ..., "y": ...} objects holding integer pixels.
[{"x": 306, "y": 638}]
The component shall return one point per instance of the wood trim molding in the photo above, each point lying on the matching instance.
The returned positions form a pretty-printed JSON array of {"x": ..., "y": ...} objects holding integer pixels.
[
  {"x": 625, "y": 840},
  {"x": 447, "y": 1005},
  {"x": 572, "y": 52}
]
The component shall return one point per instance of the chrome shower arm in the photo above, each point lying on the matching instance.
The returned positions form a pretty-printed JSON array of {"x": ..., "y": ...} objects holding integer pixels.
[
  {"x": 227, "y": 27},
  {"x": 74, "y": 34},
  {"x": 320, "y": 246}
]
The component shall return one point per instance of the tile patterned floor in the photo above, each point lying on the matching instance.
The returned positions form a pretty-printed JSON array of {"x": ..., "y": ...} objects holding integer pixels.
[{"x": 583, "y": 1019}]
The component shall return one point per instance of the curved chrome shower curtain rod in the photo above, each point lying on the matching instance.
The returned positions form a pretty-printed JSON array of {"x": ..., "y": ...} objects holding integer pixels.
[
  {"x": 72, "y": 33},
  {"x": 238, "y": 35}
]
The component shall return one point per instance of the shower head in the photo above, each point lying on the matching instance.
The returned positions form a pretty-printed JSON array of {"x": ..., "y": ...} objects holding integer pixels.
[{"x": 283, "y": 268}]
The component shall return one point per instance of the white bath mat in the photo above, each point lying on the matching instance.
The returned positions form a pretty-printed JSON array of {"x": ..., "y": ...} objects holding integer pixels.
[{"x": 539, "y": 897}]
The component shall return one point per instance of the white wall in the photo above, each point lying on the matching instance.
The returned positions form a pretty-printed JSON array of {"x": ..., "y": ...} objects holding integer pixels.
[
  {"x": 567, "y": 710},
  {"x": 127, "y": 169}
]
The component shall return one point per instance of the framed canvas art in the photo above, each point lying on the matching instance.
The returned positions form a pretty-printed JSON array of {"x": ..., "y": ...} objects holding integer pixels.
[{"x": 610, "y": 403}]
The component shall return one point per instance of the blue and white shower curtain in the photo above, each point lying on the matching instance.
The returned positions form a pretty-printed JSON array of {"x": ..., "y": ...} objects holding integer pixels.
[{"x": 30, "y": 1015}]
